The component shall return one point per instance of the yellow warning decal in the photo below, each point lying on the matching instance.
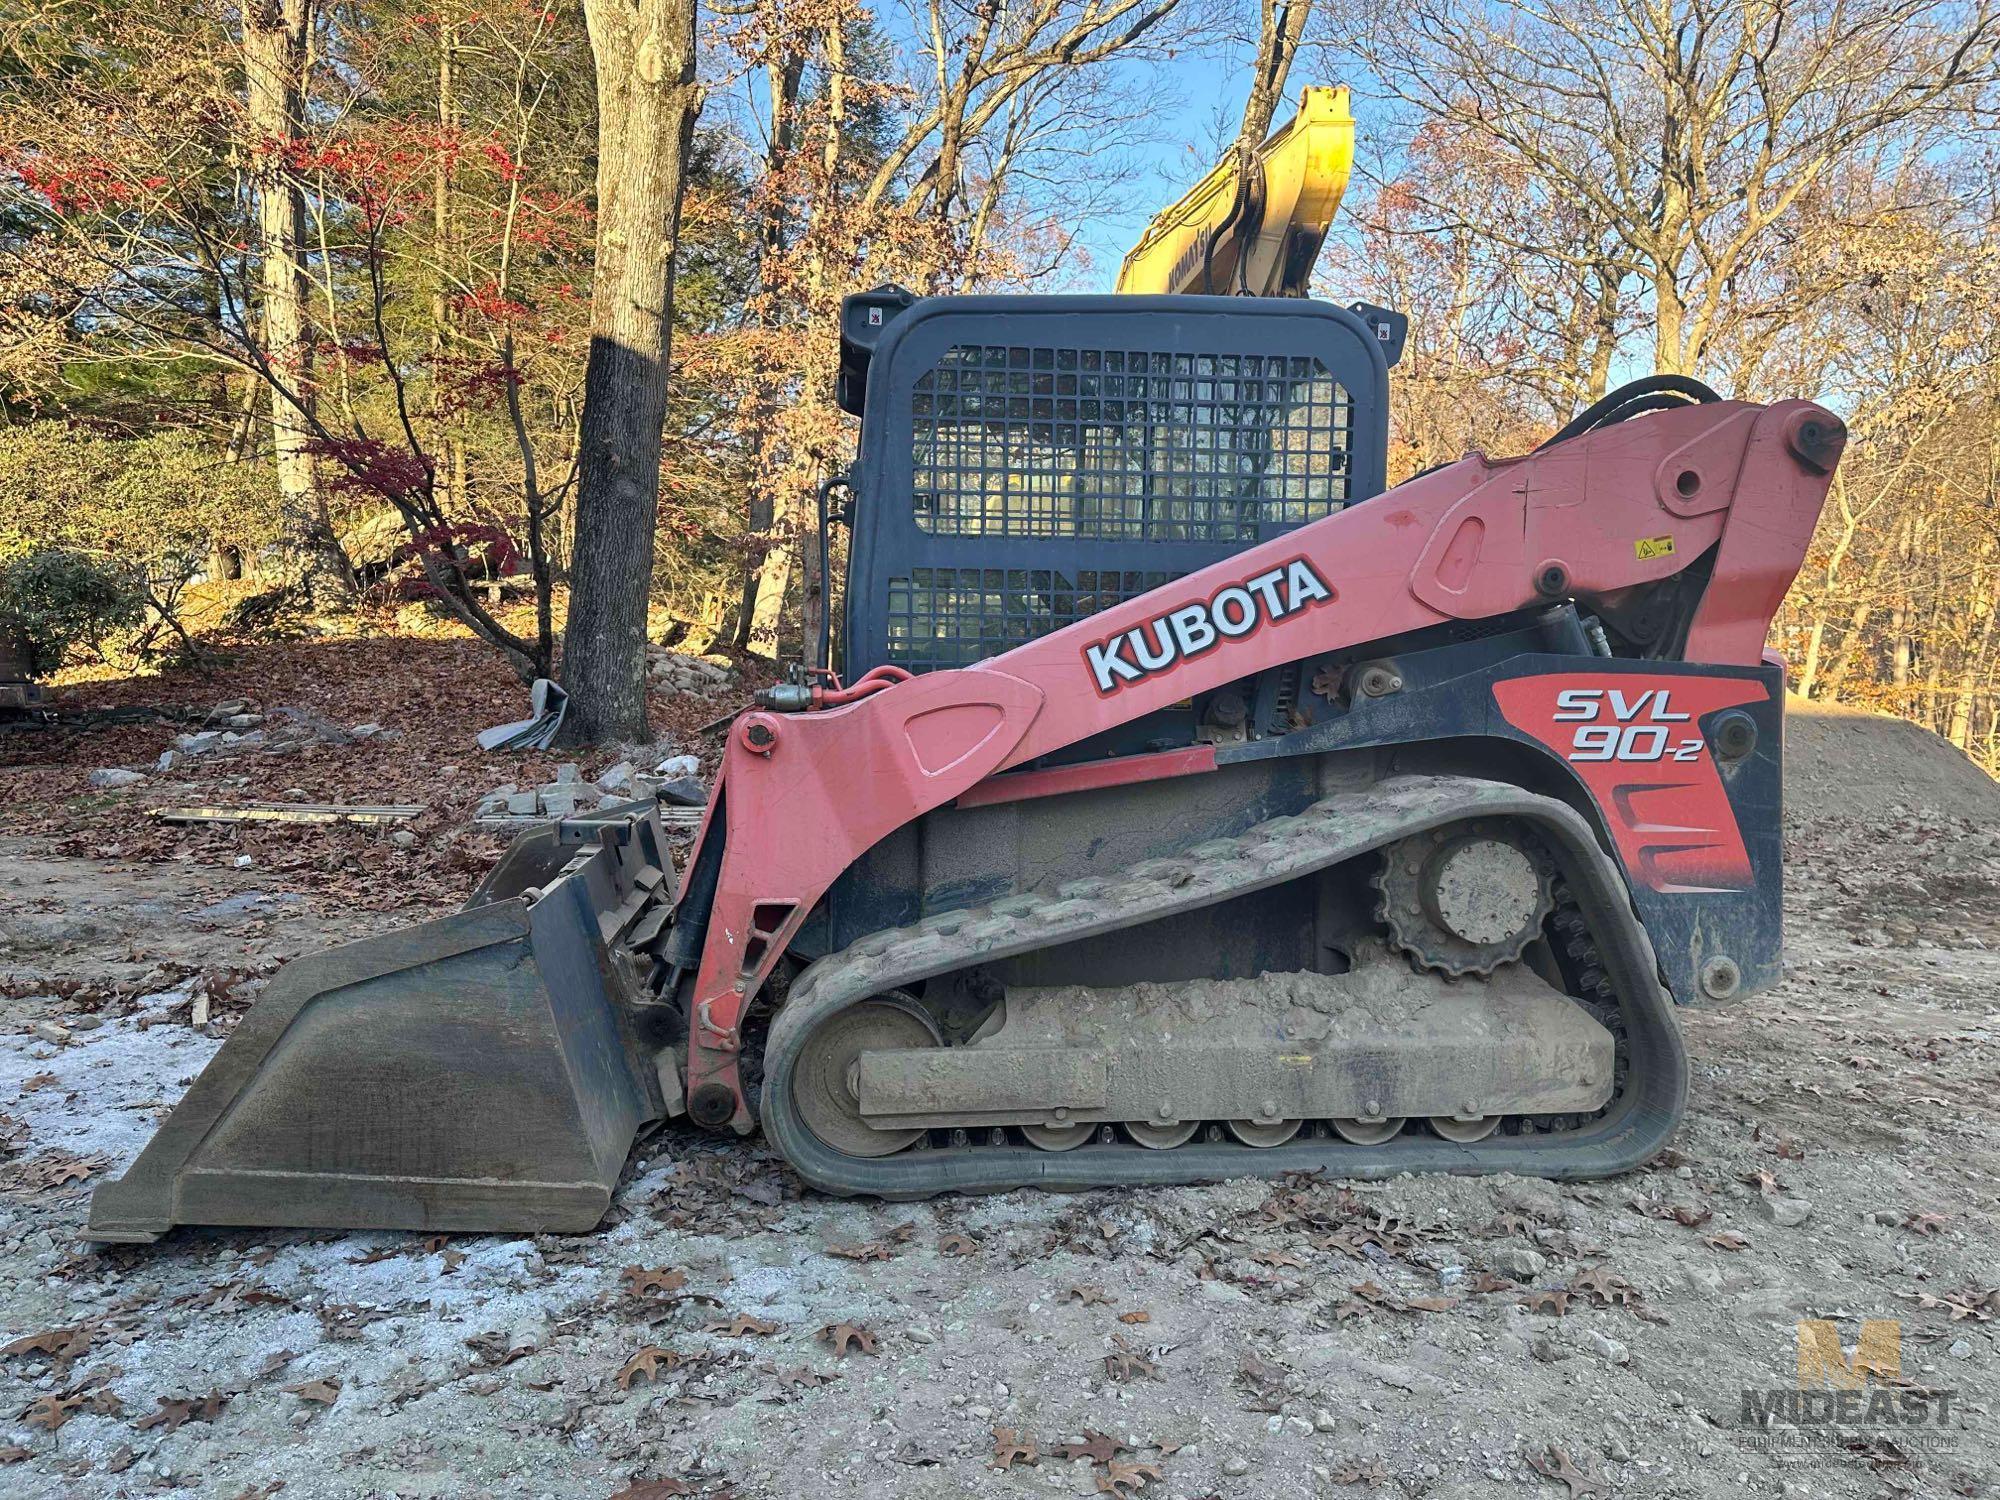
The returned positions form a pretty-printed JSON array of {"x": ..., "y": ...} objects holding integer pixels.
[{"x": 1649, "y": 547}]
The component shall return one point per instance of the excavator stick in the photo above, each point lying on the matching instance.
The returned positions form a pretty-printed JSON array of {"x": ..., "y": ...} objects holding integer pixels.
[
  {"x": 483, "y": 1071},
  {"x": 1258, "y": 233}
]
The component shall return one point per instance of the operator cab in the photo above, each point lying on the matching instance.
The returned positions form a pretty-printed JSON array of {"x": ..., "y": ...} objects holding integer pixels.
[{"x": 1026, "y": 462}]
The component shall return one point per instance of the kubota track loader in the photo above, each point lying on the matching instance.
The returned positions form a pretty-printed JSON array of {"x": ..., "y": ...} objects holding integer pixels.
[{"x": 1193, "y": 808}]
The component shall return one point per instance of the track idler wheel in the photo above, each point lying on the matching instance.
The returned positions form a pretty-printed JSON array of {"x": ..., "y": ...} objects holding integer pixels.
[{"x": 824, "y": 1089}]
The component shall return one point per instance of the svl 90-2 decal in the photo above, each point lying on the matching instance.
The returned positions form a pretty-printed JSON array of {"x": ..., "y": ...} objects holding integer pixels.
[
  {"x": 1614, "y": 724},
  {"x": 1636, "y": 742}
]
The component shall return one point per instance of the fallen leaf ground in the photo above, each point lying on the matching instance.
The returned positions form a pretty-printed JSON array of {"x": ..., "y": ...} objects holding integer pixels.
[{"x": 430, "y": 693}]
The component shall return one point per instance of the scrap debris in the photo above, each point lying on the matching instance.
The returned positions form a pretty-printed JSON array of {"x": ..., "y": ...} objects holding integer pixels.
[
  {"x": 548, "y": 704},
  {"x": 238, "y": 728},
  {"x": 673, "y": 785}
]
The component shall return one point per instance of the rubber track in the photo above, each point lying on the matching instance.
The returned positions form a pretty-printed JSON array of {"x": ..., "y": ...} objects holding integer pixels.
[{"x": 1337, "y": 828}]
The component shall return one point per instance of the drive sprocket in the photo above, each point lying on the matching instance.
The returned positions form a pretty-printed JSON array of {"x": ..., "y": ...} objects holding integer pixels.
[{"x": 1465, "y": 898}]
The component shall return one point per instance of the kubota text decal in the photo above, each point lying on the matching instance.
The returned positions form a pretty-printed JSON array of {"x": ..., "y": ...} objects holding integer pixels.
[
  {"x": 1233, "y": 612},
  {"x": 1637, "y": 743}
]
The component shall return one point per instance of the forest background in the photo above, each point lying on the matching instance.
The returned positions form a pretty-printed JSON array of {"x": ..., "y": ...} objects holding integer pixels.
[{"x": 311, "y": 311}]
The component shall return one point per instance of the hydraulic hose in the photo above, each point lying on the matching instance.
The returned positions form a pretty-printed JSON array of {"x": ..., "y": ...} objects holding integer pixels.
[
  {"x": 1651, "y": 393},
  {"x": 872, "y": 681},
  {"x": 826, "y": 487}
]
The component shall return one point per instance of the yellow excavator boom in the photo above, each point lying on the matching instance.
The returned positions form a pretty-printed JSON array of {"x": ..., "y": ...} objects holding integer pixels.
[{"x": 1256, "y": 238}]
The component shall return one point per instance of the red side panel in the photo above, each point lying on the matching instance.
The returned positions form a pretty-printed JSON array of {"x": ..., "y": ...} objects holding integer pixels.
[{"x": 1636, "y": 743}]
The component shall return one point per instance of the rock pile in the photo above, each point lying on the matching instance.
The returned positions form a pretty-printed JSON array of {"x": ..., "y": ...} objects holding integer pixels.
[
  {"x": 674, "y": 780},
  {"x": 237, "y": 729},
  {"x": 686, "y": 674}
]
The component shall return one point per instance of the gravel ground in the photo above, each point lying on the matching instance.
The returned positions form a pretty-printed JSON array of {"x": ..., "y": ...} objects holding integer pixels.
[{"x": 1418, "y": 1337}]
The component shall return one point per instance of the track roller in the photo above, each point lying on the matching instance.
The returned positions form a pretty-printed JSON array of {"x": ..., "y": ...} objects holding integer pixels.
[
  {"x": 1367, "y": 1132},
  {"x": 1264, "y": 1134},
  {"x": 1162, "y": 1137},
  {"x": 1057, "y": 1137},
  {"x": 1465, "y": 1132}
]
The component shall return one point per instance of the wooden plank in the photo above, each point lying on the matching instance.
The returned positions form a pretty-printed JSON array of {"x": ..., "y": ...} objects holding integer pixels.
[{"x": 290, "y": 812}]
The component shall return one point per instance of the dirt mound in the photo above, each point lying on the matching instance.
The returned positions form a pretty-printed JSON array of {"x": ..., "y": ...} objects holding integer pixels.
[{"x": 1849, "y": 762}]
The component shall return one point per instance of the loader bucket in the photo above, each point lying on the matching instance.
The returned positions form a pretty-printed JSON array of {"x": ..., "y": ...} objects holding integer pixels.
[{"x": 479, "y": 1072}]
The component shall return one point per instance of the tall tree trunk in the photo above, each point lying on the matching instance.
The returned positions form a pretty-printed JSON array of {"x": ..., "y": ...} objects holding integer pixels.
[
  {"x": 243, "y": 428},
  {"x": 275, "y": 33},
  {"x": 1854, "y": 640},
  {"x": 1829, "y": 591},
  {"x": 647, "y": 99},
  {"x": 770, "y": 579},
  {"x": 1282, "y": 23},
  {"x": 447, "y": 437},
  {"x": 1815, "y": 643},
  {"x": 834, "y": 42},
  {"x": 1603, "y": 336},
  {"x": 1902, "y": 650},
  {"x": 1669, "y": 325},
  {"x": 1983, "y": 609},
  {"x": 767, "y": 614}
]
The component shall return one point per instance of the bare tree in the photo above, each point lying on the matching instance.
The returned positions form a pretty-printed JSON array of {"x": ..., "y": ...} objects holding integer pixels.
[
  {"x": 992, "y": 86},
  {"x": 1506, "y": 339},
  {"x": 981, "y": 58},
  {"x": 647, "y": 100},
  {"x": 1689, "y": 128},
  {"x": 1895, "y": 608},
  {"x": 274, "y": 38},
  {"x": 1282, "y": 25}
]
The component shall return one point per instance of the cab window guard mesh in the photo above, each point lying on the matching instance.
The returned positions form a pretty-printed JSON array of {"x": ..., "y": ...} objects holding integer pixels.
[
  {"x": 1131, "y": 445},
  {"x": 952, "y": 617}
]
